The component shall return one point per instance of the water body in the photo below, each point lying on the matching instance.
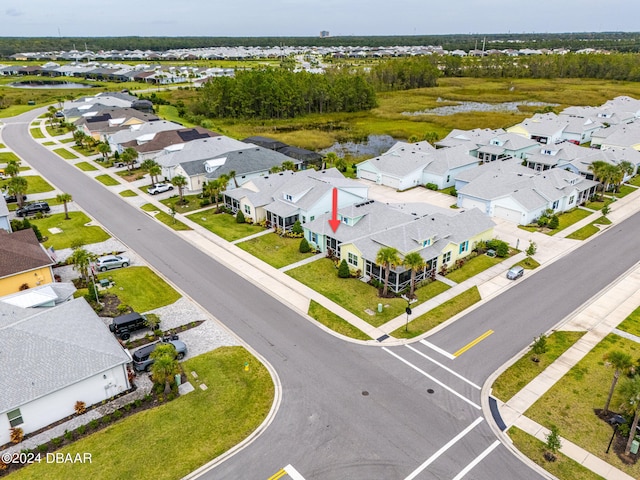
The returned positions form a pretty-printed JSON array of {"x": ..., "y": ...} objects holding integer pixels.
[
  {"x": 466, "y": 107},
  {"x": 374, "y": 146},
  {"x": 49, "y": 85}
]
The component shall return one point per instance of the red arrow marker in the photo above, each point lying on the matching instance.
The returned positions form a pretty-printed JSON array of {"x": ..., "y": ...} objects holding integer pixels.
[{"x": 334, "y": 222}]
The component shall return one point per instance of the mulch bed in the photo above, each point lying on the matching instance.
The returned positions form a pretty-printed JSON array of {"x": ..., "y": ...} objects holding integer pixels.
[{"x": 619, "y": 442}]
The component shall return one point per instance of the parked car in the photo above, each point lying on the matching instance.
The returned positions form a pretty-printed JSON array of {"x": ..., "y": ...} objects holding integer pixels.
[
  {"x": 515, "y": 272},
  {"x": 120, "y": 163},
  {"x": 108, "y": 262},
  {"x": 142, "y": 360},
  {"x": 10, "y": 198},
  {"x": 33, "y": 208},
  {"x": 123, "y": 325},
  {"x": 159, "y": 188}
]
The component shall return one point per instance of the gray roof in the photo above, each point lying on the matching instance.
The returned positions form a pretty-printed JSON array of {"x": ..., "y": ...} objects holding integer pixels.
[
  {"x": 248, "y": 160},
  {"x": 399, "y": 161},
  {"x": 45, "y": 350},
  {"x": 201, "y": 149},
  {"x": 471, "y": 138},
  {"x": 145, "y": 131}
]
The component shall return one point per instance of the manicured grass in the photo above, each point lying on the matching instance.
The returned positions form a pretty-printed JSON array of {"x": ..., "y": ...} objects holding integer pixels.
[
  {"x": 35, "y": 184},
  {"x": 131, "y": 175},
  {"x": 529, "y": 263},
  {"x": 2, "y": 145},
  {"x": 107, "y": 180},
  {"x": 66, "y": 154},
  {"x": 181, "y": 435},
  {"x": 128, "y": 193},
  {"x": 224, "y": 225},
  {"x": 472, "y": 267},
  {"x": 74, "y": 231},
  {"x": 631, "y": 324},
  {"x": 5, "y": 157},
  {"x": 569, "y": 218},
  {"x": 623, "y": 191},
  {"x": 56, "y": 131},
  {"x": 334, "y": 322},
  {"x": 277, "y": 251},
  {"x": 49, "y": 143},
  {"x": 193, "y": 203},
  {"x": 635, "y": 181},
  {"x": 571, "y": 402},
  {"x": 441, "y": 313},
  {"x": 595, "y": 205},
  {"x": 355, "y": 295},
  {"x": 564, "y": 468},
  {"x": 84, "y": 151},
  {"x": 36, "y": 133},
  {"x": 149, "y": 207},
  {"x": 518, "y": 375},
  {"x": 588, "y": 230},
  {"x": 141, "y": 288},
  {"x": 67, "y": 140},
  {"x": 86, "y": 167},
  {"x": 171, "y": 221}
]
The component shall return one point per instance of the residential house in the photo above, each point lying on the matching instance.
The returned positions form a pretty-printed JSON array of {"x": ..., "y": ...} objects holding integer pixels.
[
  {"x": 24, "y": 263},
  {"x": 106, "y": 122},
  {"x": 283, "y": 198},
  {"x": 503, "y": 146},
  {"x": 307, "y": 157},
  {"x": 53, "y": 358},
  {"x": 549, "y": 128},
  {"x": 440, "y": 236},
  {"x": 519, "y": 194},
  {"x": 408, "y": 165},
  {"x": 472, "y": 138},
  {"x": 141, "y": 134},
  {"x": 624, "y": 135}
]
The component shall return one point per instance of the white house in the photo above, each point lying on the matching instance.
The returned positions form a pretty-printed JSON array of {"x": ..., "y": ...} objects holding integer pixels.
[
  {"x": 549, "y": 128},
  {"x": 53, "y": 358}
]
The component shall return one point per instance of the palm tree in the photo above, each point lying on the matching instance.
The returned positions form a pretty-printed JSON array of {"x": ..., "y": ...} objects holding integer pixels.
[
  {"x": 387, "y": 257},
  {"x": 17, "y": 186},
  {"x": 80, "y": 137},
  {"x": 631, "y": 393},
  {"x": 129, "y": 156},
  {"x": 65, "y": 198},
  {"x": 13, "y": 168},
  {"x": 620, "y": 362},
  {"x": 180, "y": 182},
  {"x": 212, "y": 189},
  {"x": 165, "y": 365},
  {"x": 275, "y": 169},
  {"x": 104, "y": 150},
  {"x": 330, "y": 158},
  {"x": 232, "y": 176},
  {"x": 414, "y": 262},
  {"x": 597, "y": 168},
  {"x": 149, "y": 165},
  {"x": 81, "y": 260},
  {"x": 154, "y": 172},
  {"x": 288, "y": 165}
]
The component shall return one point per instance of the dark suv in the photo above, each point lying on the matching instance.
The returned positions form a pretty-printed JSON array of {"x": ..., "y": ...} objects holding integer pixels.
[
  {"x": 33, "y": 208},
  {"x": 123, "y": 325},
  {"x": 142, "y": 360}
]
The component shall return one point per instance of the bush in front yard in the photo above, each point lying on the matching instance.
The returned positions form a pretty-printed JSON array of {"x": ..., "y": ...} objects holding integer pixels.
[
  {"x": 240, "y": 217},
  {"x": 304, "y": 246},
  {"x": 343, "y": 270}
]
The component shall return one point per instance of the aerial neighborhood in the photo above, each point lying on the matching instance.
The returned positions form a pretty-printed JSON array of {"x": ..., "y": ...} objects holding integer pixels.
[{"x": 547, "y": 165}]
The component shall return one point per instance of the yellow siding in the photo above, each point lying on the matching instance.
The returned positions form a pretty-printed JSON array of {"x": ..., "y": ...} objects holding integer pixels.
[
  {"x": 33, "y": 278},
  {"x": 345, "y": 249},
  {"x": 454, "y": 248},
  {"x": 518, "y": 130}
]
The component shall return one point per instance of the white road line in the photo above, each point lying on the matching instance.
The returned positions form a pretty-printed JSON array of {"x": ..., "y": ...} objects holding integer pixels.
[
  {"x": 478, "y": 459},
  {"x": 293, "y": 473},
  {"x": 438, "y": 349},
  {"x": 443, "y": 366},
  {"x": 432, "y": 378},
  {"x": 444, "y": 448}
]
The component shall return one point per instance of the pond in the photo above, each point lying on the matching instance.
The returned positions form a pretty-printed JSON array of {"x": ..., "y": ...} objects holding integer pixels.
[
  {"x": 49, "y": 84},
  {"x": 374, "y": 146},
  {"x": 466, "y": 107}
]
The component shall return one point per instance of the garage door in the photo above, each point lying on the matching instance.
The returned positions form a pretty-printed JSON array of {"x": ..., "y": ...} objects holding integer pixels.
[
  {"x": 390, "y": 181},
  {"x": 368, "y": 175},
  {"x": 507, "y": 214},
  {"x": 471, "y": 203}
]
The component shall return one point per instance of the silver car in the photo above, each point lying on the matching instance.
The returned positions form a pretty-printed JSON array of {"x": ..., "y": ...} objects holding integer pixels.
[
  {"x": 160, "y": 188},
  {"x": 112, "y": 261}
]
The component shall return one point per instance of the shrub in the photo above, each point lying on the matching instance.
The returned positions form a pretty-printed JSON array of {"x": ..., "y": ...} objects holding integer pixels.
[
  {"x": 343, "y": 270},
  {"x": 106, "y": 419},
  {"x": 81, "y": 429},
  {"x": 43, "y": 448},
  {"x": 68, "y": 435},
  {"x": 93, "y": 424},
  {"x": 297, "y": 228},
  {"x": 532, "y": 249},
  {"x": 56, "y": 441},
  {"x": 304, "y": 246},
  {"x": 123, "y": 308},
  {"x": 240, "y": 217},
  {"x": 80, "y": 407},
  {"x": 204, "y": 202},
  {"x": 153, "y": 321},
  {"x": 431, "y": 186},
  {"x": 137, "y": 402},
  {"x": 554, "y": 222},
  {"x": 117, "y": 414},
  {"x": 16, "y": 434},
  {"x": 453, "y": 192}
]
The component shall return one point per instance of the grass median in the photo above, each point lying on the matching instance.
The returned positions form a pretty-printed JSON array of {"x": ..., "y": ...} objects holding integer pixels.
[{"x": 74, "y": 231}]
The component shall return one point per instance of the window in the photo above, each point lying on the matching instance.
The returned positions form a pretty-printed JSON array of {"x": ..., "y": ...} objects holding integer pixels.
[
  {"x": 288, "y": 197},
  {"x": 571, "y": 199},
  {"x": 464, "y": 246},
  {"x": 555, "y": 204},
  {"x": 448, "y": 177},
  {"x": 312, "y": 218},
  {"x": 352, "y": 259},
  {"x": 15, "y": 417},
  {"x": 426, "y": 243},
  {"x": 446, "y": 258},
  {"x": 247, "y": 209},
  {"x": 345, "y": 220},
  {"x": 314, "y": 238},
  {"x": 304, "y": 219}
]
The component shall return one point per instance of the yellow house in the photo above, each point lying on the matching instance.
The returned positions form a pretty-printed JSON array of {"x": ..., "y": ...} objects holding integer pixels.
[{"x": 24, "y": 263}]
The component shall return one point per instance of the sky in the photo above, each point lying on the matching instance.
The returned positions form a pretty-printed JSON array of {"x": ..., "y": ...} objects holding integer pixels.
[{"x": 306, "y": 18}]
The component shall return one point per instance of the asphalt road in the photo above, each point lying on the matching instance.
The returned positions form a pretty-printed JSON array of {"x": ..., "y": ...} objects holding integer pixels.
[{"x": 352, "y": 411}]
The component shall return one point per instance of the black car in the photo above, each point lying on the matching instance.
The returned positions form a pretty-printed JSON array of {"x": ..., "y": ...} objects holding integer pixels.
[
  {"x": 12, "y": 198},
  {"x": 123, "y": 325},
  {"x": 33, "y": 208}
]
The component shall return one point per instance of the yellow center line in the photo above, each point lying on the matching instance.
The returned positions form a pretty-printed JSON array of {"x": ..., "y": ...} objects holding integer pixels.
[
  {"x": 473, "y": 343},
  {"x": 278, "y": 475}
]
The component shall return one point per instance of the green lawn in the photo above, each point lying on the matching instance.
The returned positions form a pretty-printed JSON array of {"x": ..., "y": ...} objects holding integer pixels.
[
  {"x": 571, "y": 402},
  {"x": 73, "y": 231},
  {"x": 171, "y": 440},
  {"x": 635, "y": 181},
  {"x": 56, "y": 131},
  {"x": 66, "y": 154},
  {"x": 36, "y": 132},
  {"x": 624, "y": 190},
  {"x": 142, "y": 288},
  {"x": 193, "y": 203},
  {"x": 441, "y": 313},
  {"x": 49, "y": 143},
  {"x": 35, "y": 184},
  {"x": 518, "y": 375},
  {"x": 564, "y": 468},
  {"x": 149, "y": 207},
  {"x": 588, "y": 230},
  {"x": 107, "y": 180},
  {"x": 334, "y": 322},
  {"x": 472, "y": 267},
  {"x": 86, "y": 167},
  {"x": 355, "y": 295},
  {"x": 569, "y": 218},
  {"x": 128, "y": 193},
  {"x": 67, "y": 140},
  {"x": 277, "y": 251},
  {"x": 171, "y": 221},
  {"x": 631, "y": 324},
  {"x": 5, "y": 157},
  {"x": 595, "y": 205},
  {"x": 529, "y": 263},
  {"x": 83, "y": 151},
  {"x": 224, "y": 225}
]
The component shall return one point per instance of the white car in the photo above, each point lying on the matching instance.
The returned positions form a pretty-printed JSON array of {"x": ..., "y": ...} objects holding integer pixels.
[
  {"x": 159, "y": 188},
  {"x": 108, "y": 262}
]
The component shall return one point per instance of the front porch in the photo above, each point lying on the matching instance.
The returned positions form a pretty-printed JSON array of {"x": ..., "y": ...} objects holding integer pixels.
[{"x": 399, "y": 277}]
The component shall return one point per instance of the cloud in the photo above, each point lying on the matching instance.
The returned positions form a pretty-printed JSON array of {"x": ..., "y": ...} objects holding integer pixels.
[{"x": 12, "y": 12}]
